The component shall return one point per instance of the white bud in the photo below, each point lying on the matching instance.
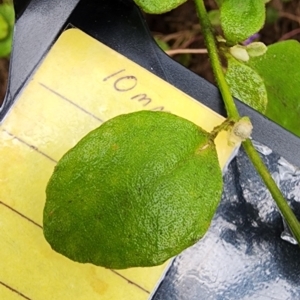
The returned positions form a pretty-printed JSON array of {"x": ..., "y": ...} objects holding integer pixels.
[
  {"x": 239, "y": 52},
  {"x": 240, "y": 131}
]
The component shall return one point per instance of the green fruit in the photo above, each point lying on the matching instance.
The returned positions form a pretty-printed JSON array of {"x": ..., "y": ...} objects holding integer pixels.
[{"x": 134, "y": 192}]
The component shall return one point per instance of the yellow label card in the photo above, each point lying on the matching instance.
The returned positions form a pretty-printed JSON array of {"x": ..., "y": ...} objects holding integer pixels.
[{"x": 80, "y": 84}]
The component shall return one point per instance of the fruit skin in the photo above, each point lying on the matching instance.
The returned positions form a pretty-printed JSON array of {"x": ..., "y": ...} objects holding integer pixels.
[{"x": 134, "y": 192}]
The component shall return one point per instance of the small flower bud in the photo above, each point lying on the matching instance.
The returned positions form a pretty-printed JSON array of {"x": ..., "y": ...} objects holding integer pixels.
[
  {"x": 239, "y": 52},
  {"x": 240, "y": 131}
]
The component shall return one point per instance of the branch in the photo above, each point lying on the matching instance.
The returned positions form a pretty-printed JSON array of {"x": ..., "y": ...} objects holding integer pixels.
[
  {"x": 215, "y": 61},
  {"x": 232, "y": 111},
  {"x": 185, "y": 51}
]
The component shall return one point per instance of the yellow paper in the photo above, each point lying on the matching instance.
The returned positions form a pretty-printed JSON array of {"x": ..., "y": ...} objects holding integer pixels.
[{"x": 80, "y": 84}]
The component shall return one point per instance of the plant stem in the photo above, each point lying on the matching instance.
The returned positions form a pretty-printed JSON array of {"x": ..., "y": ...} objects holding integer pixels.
[
  {"x": 215, "y": 60},
  {"x": 185, "y": 51},
  {"x": 226, "y": 125},
  {"x": 233, "y": 113},
  {"x": 283, "y": 206}
]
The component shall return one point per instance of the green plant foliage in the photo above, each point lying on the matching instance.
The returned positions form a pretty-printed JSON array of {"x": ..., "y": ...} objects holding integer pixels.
[
  {"x": 185, "y": 59},
  {"x": 144, "y": 186},
  {"x": 158, "y": 6},
  {"x": 241, "y": 19},
  {"x": 134, "y": 192},
  {"x": 7, "y": 19},
  {"x": 272, "y": 15},
  {"x": 4, "y": 28},
  {"x": 214, "y": 17},
  {"x": 279, "y": 68},
  {"x": 256, "y": 49},
  {"x": 270, "y": 83},
  {"x": 219, "y": 2},
  {"x": 246, "y": 85},
  {"x": 162, "y": 44}
]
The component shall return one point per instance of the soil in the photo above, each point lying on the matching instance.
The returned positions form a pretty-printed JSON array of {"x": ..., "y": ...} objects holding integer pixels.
[{"x": 180, "y": 29}]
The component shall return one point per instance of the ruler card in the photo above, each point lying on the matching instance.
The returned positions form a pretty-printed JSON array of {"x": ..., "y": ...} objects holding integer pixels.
[{"x": 80, "y": 84}]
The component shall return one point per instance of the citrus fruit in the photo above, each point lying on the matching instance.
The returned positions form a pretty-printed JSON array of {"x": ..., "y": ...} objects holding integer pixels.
[{"x": 134, "y": 192}]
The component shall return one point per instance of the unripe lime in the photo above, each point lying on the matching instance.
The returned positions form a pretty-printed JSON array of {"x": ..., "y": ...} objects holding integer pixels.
[{"x": 134, "y": 192}]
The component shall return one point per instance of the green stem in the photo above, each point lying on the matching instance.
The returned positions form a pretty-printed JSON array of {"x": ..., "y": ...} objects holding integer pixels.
[
  {"x": 233, "y": 113},
  {"x": 215, "y": 61},
  {"x": 283, "y": 206},
  {"x": 226, "y": 125}
]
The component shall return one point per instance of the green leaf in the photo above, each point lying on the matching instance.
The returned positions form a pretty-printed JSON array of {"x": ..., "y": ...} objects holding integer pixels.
[
  {"x": 241, "y": 19},
  {"x": 219, "y": 2},
  {"x": 4, "y": 28},
  {"x": 279, "y": 68},
  {"x": 256, "y": 49},
  {"x": 272, "y": 15},
  {"x": 246, "y": 85},
  {"x": 162, "y": 44},
  {"x": 158, "y": 6},
  {"x": 185, "y": 59},
  {"x": 214, "y": 17},
  {"x": 136, "y": 191},
  {"x": 7, "y": 13}
]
